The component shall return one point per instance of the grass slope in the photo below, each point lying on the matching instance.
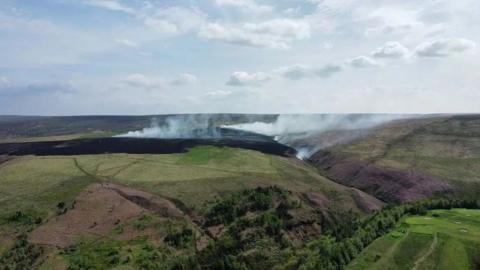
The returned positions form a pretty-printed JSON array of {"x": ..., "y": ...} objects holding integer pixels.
[
  {"x": 446, "y": 147},
  {"x": 31, "y": 188},
  {"x": 444, "y": 239},
  {"x": 197, "y": 176}
]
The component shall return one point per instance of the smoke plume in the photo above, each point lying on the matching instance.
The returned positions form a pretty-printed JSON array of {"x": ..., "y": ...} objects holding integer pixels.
[
  {"x": 307, "y": 133},
  {"x": 178, "y": 126},
  {"x": 310, "y": 133}
]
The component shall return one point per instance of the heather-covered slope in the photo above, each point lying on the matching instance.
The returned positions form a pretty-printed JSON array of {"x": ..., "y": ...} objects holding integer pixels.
[{"x": 409, "y": 160}]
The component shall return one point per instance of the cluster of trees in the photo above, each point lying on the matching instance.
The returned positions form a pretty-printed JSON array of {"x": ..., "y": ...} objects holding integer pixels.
[
  {"x": 225, "y": 211},
  {"x": 345, "y": 237},
  {"x": 250, "y": 243},
  {"x": 330, "y": 253},
  {"x": 22, "y": 218},
  {"x": 21, "y": 256},
  {"x": 180, "y": 239},
  {"x": 260, "y": 241}
]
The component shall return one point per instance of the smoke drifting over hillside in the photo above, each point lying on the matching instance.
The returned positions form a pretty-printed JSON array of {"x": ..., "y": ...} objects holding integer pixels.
[
  {"x": 310, "y": 133},
  {"x": 306, "y": 133},
  {"x": 182, "y": 126}
]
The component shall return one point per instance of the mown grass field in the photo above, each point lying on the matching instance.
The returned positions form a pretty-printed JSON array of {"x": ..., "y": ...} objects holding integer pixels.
[{"x": 443, "y": 239}]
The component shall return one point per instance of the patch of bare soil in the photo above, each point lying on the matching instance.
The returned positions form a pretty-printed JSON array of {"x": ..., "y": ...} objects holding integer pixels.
[
  {"x": 160, "y": 206},
  {"x": 216, "y": 231},
  {"x": 202, "y": 243},
  {"x": 386, "y": 184},
  {"x": 97, "y": 211}
]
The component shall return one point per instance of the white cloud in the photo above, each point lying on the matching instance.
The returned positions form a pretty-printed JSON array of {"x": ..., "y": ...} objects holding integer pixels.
[
  {"x": 219, "y": 94},
  {"x": 4, "y": 80},
  {"x": 142, "y": 81},
  {"x": 126, "y": 42},
  {"x": 444, "y": 47},
  {"x": 242, "y": 78},
  {"x": 184, "y": 78},
  {"x": 175, "y": 20},
  {"x": 294, "y": 72},
  {"x": 328, "y": 70},
  {"x": 393, "y": 19},
  {"x": 139, "y": 80},
  {"x": 165, "y": 20},
  {"x": 110, "y": 5},
  {"x": 161, "y": 26},
  {"x": 391, "y": 49},
  {"x": 247, "y": 5},
  {"x": 50, "y": 39},
  {"x": 362, "y": 61},
  {"x": 277, "y": 34}
]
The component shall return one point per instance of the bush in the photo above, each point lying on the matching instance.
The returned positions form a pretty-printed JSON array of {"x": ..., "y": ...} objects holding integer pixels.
[
  {"x": 180, "y": 239},
  {"x": 21, "y": 256}
]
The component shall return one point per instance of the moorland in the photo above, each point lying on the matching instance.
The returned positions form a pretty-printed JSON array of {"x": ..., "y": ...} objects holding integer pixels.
[{"x": 403, "y": 195}]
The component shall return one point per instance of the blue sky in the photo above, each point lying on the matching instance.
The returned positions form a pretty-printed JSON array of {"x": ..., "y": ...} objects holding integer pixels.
[{"x": 66, "y": 57}]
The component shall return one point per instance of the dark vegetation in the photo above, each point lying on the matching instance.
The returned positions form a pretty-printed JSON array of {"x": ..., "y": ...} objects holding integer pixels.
[
  {"x": 136, "y": 146},
  {"x": 260, "y": 226},
  {"x": 342, "y": 241},
  {"x": 330, "y": 253},
  {"x": 22, "y": 255}
]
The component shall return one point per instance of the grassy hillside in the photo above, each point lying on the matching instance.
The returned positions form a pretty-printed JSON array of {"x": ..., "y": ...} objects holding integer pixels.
[
  {"x": 446, "y": 148},
  {"x": 172, "y": 194},
  {"x": 193, "y": 177},
  {"x": 443, "y": 239}
]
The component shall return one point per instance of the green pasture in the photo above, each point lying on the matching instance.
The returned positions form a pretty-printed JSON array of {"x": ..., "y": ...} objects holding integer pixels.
[{"x": 443, "y": 239}]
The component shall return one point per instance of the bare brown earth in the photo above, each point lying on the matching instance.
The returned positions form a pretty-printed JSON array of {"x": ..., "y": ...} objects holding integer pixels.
[
  {"x": 97, "y": 211},
  {"x": 216, "y": 231},
  {"x": 389, "y": 185}
]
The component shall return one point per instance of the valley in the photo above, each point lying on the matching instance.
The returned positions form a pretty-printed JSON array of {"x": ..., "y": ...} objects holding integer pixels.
[{"x": 381, "y": 199}]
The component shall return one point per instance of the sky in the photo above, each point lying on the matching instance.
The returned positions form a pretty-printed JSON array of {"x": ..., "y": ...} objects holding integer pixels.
[{"x": 85, "y": 57}]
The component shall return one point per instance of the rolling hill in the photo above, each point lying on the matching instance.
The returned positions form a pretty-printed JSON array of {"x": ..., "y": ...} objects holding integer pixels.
[{"x": 211, "y": 206}]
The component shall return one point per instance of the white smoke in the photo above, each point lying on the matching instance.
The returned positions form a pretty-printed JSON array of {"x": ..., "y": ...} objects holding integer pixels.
[
  {"x": 179, "y": 126},
  {"x": 310, "y": 133},
  {"x": 306, "y": 133}
]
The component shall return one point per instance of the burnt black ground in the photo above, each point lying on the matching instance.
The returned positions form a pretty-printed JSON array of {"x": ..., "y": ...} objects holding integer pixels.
[{"x": 135, "y": 146}]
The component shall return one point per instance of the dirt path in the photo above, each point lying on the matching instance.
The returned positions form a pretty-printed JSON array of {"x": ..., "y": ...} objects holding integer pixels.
[
  {"x": 80, "y": 168},
  {"x": 432, "y": 247}
]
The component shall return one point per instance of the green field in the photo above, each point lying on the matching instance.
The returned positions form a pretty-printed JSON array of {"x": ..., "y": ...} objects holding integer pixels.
[
  {"x": 39, "y": 183},
  {"x": 442, "y": 239}
]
